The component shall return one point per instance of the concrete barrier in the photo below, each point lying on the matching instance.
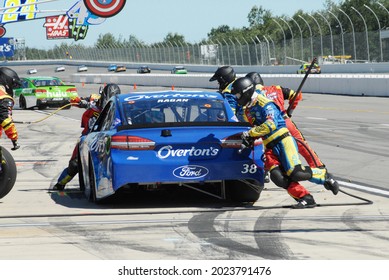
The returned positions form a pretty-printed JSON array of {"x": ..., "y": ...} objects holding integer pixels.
[
  {"x": 361, "y": 79},
  {"x": 345, "y": 84}
]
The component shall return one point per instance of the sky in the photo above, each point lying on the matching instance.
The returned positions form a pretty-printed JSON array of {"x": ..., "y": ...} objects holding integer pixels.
[{"x": 151, "y": 20}]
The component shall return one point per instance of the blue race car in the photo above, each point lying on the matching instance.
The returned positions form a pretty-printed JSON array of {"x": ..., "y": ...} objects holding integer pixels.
[
  {"x": 157, "y": 140},
  {"x": 112, "y": 67}
]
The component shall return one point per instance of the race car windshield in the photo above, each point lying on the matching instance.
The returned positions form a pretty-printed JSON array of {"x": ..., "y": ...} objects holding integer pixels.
[{"x": 175, "y": 111}]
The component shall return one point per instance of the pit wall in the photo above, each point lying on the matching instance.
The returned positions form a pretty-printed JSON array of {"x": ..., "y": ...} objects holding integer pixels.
[
  {"x": 344, "y": 84},
  {"x": 360, "y": 79}
]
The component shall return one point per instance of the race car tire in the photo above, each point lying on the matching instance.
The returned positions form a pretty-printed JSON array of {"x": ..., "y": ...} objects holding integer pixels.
[
  {"x": 108, "y": 91},
  {"x": 80, "y": 174},
  {"x": 67, "y": 107},
  {"x": 8, "y": 173},
  {"x": 240, "y": 191},
  {"x": 22, "y": 103},
  {"x": 92, "y": 195},
  {"x": 105, "y": 10}
]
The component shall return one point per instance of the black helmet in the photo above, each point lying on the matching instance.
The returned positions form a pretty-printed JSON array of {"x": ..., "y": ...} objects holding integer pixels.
[
  {"x": 243, "y": 88},
  {"x": 256, "y": 77},
  {"x": 224, "y": 76},
  {"x": 9, "y": 79},
  {"x": 107, "y": 92}
]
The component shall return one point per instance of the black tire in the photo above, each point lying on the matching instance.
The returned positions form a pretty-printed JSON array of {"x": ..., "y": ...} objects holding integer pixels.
[
  {"x": 80, "y": 174},
  {"x": 92, "y": 195},
  {"x": 22, "y": 103},
  {"x": 243, "y": 191},
  {"x": 8, "y": 174},
  {"x": 108, "y": 91}
]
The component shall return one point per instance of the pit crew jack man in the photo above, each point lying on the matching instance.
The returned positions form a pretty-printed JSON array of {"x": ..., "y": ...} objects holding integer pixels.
[
  {"x": 93, "y": 104},
  {"x": 9, "y": 80},
  {"x": 269, "y": 124}
]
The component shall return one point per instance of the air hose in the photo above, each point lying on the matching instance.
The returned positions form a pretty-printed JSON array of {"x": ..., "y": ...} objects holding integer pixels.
[
  {"x": 48, "y": 116},
  {"x": 366, "y": 201}
]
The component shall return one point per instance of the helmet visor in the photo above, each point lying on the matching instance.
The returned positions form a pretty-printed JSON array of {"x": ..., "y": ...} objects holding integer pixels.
[
  {"x": 16, "y": 83},
  {"x": 213, "y": 78}
]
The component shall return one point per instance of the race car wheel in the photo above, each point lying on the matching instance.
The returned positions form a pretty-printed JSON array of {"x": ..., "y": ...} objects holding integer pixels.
[
  {"x": 92, "y": 195},
  {"x": 8, "y": 173},
  {"x": 22, "y": 103},
  {"x": 67, "y": 107},
  {"x": 80, "y": 174},
  {"x": 104, "y": 9},
  {"x": 243, "y": 191}
]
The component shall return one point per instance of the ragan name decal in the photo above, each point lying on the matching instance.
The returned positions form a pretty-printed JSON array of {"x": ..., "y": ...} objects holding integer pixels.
[
  {"x": 190, "y": 172},
  {"x": 173, "y": 100},
  {"x": 169, "y": 151}
]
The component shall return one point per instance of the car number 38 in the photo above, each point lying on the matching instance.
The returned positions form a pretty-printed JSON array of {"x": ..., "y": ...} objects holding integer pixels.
[{"x": 249, "y": 168}]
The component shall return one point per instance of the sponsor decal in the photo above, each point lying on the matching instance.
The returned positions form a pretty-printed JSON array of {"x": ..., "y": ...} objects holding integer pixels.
[
  {"x": 174, "y": 96},
  {"x": 57, "y": 27},
  {"x": 190, "y": 172},
  {"x": 81, "y": 16},
  {"x": 132, "y": 158},
  {"x": 52, "y": 94},
  {"x": 99, "y": 144},
  {"x": 18, "y": 10},
  {"x": 172, "y": 100},
  {"x": 168, "y": 151},
  {"x": 105, "y": 8},
  {"x": 7, "y": 47},
  {"x": 77, "y": 32}
]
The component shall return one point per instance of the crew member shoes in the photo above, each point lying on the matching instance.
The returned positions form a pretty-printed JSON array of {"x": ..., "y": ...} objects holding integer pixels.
[
  {"x": 331, "y": 184},
  {"x": 59, "y": 187},
  {"x": 306, "y": 201}
]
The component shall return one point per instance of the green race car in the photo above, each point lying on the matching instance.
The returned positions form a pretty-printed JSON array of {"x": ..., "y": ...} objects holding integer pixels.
[
  {"x": 43, "y": 92},
  {"x": 304, "y": 68},
  {"x": 179, "y": 70}
]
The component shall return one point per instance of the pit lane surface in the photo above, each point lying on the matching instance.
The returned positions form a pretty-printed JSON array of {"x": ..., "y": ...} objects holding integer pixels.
[{"x": 349, "y": 133}]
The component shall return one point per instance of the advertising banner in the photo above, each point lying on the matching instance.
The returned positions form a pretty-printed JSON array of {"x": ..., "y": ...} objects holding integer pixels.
[
  {"x": 7, "y": 47},
  {"x": 57, "y": 27}
]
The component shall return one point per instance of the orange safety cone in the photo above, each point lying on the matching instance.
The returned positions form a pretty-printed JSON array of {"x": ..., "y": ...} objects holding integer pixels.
[
  {"x": 134, "y": 86},
  {"x": 83, "y": 84},
  {"x": 172, "y": 87}
]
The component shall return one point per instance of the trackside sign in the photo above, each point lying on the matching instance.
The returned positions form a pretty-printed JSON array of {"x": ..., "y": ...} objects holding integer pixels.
[
  {"x": 7, "y": 47},
  {"x": 57, "y": 27}
]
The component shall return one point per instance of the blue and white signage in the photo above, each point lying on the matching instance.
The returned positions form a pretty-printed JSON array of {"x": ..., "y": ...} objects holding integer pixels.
[{"x": 7, "y": 47}]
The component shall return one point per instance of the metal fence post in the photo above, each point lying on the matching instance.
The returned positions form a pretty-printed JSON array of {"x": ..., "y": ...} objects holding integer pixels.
[
  {"x": 341, "y": 29},
  {"x": 379, "y": 29},
  {"x": 301, "y": 38},
  {"x": 310, "y": 32},
  {"x": 367, "y": 35}
]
